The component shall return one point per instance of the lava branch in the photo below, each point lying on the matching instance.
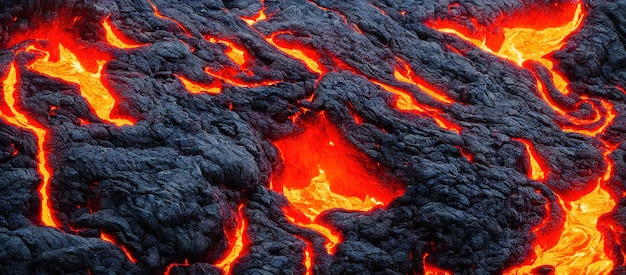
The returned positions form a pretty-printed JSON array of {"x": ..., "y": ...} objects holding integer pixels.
[
  {"x": 519, "y": 44},
  {"x": 12, "y": 113},
  {"x": 108, "y": 238},
  {"x": 581, "y": 247},
  {"x": 70, "y": 67},
  {"x": 236, "y": 245},
  {"x": 405, "y": 101},
  {"x": 318, "y": 177}
]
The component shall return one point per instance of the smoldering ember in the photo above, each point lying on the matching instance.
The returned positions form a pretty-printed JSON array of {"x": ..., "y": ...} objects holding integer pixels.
[{"x": 312, "y": 137}]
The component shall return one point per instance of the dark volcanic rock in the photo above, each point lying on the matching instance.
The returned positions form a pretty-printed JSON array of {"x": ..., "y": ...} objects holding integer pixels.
[{"x": 167, "y": 189}]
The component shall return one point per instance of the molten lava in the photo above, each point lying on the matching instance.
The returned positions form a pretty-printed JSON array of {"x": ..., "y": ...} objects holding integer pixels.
[
  {"x": 294, "y": 49},
  {"x": 12, "y": 113},
  {"x": 430, "y": 269},
  {"x": 109, "y": 238},
  {"x": 236, "y": 244},
  {"x": 320, "y": 173},
  {"x": 114, "y": 38},
  {"x": 406, "y": 75},
  {"x": 531, "y": 36},
  {"x": 260, "y": 16},
  {"x": 69, "y": 68},
  {"x": 536, "y": 171},
  {"x": 196, "y": 88}
]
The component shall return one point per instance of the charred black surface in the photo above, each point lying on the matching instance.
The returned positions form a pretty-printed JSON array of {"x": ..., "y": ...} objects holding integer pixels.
[{"x": 168, "y": 187}]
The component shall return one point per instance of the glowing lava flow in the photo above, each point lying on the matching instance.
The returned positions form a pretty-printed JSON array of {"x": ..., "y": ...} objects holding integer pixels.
[
  {"x": 406, "y": 75},
  {"x": 14, "y": 116},
  {"x": 536, "y": 170},
  {"x": 300, "y": 52},
  {"x": 158, "y": 14},
  {"x": 196, "y": 88},
  {"x": 108, "y": 238},
  {"x": 521, "y": 40},
  {"x": 260, "y": 16},
  {"x": 580, "y": 248},
  {"x": 69, "y": 68},
  {"x": 236, "y": 245},
  {"x": 114, "y": 39},
  {"x": 322, "y": 174},
  {"x": 430, "y": 269}
]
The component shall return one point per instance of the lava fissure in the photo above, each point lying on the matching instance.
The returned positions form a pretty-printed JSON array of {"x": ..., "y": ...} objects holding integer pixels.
[{"x": 363, "y": 137}]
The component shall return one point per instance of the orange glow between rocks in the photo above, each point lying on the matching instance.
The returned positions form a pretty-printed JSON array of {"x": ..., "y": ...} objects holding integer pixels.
[
  {"x": 406, "y": 75},
  {"x": 109, "y": 238},
  {"x": 308, "y": 260},
  {"x": 580, "y": 247},
  {"x": 197, "y": 88},
  {"x": 322, "y": 176},
  {"x": 536, "y": 171},
  {"x": 260, "y": 16},
  {"x": 69, "y": 68},
  {"x": 299, "y": 52},
  {"x": 522, "y": 39},
  {"x": 406, "y": 102},
  {"x": 430, "y": 269},
  {"x": 14, "y": 116},
  {"x": 236, "y": 244},
  {"x": 532, "y": 35},
  {"x": 158, "y": 14},
  {"x": 114, "y": 38},
  {"x": 235, "y": 52}
]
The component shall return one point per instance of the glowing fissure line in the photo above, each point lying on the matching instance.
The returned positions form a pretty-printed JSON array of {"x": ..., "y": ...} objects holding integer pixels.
[
  {"x": 521, "y": 44},
  {"x": 580, "y": 246},
  {"x": 113, "y": 39},
  {"x": 69, "y": 68},
  {"x": 236, "y": 245},
  {"x": 196, "y": 88},
  {"x": 20, "y": 119},
  {"x": 406, "y": 75},
  {"x": 158, "y": 14},
  {"x": 536, "y": 171},
  {"x": 430, "y": 269},
  {"x": 260, "y": 16},
  {"x": 298, "y": 53},
  {"x": 108, "y": 238}
]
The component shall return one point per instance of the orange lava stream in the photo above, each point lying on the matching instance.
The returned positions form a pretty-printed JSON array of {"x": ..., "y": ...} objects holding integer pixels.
[
  {"x": 321, "y": 176},
  {"x": 70, "y": 69},
  {"x": 406, "y": 75},
  {"x": 536, "y": 171},
  {"x": 17, "y": 118},
  {"x": 236, "y": 245},
  {"x": 109, "y": 238},
  {"x": 260, "y": 16},
  {"x": 197, "y": 88},
  {"x": 114, "y": 39},
  {"x": 430, "y": 269},
  {"x": 519, "y": 44},
  {"x": 580, "y": 248},
  {"x": 406, "y": 102},
  {"x": 299, "y": 52},
  {"x": 158, "y": 14},
  {"x": 235, "y": 52}
]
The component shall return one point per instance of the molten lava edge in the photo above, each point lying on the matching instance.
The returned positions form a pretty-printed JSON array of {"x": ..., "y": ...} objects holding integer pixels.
[
  {"x": 322, "y": 170},
  {"x": 580, "y": 247},
  {"x": 322, "y": 176}
]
